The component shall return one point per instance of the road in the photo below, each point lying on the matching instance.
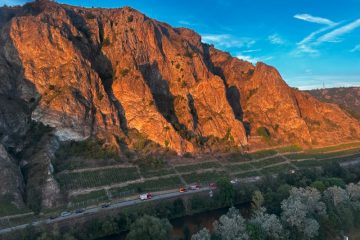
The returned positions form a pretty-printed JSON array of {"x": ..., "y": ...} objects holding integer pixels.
[{"x": 94, "y": 210}]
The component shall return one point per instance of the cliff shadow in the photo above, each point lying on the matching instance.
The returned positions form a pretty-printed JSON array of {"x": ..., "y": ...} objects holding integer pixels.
[
  {"x": 232, "y": 93},
  {"x": 92, "y": 51}
]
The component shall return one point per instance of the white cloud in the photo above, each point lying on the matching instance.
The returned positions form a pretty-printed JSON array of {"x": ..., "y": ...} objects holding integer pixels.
[
  {"x": 333, "y": 35},
  {"x": 13, "y": 2},
  {"x": 251, "y": 50},
  {"x": 227, "y": 41},
  {"x": 313, "y": 19},
  {"x": 356, "y": 48},
  {"x": 187, "y": 23},
  {"x": 253, "y": 59},
  {"x": 276, "y": 39}
]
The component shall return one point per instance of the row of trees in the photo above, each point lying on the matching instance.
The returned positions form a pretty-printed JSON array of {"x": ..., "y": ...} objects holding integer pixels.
[{"x": 305, "y": 214}]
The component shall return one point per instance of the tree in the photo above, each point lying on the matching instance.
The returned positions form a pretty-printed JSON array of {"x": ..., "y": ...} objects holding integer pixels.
[
  {"x": 268, "y": 224},
  {"x": 353, "y": 191},
  {"x": 300, "y": 211},
  {"x": 257, "y": 200},
  {"x": 231, "y": 226},
  {"x": 149, "y": 228},
  {"x": 336, "y": 196},
  {"x": 226, "y": 191},
  {"x": 203, "y": 234}
]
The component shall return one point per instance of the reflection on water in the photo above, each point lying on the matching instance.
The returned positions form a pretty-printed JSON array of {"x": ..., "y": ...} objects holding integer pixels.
[{"x": 194, "y": 222}]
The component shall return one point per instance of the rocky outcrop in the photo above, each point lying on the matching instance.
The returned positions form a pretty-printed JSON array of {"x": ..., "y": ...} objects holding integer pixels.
[
  {"x": 264, "y": 100},
  {"x": 106, "y": 72},
  {"x": 348, "y": 98}
]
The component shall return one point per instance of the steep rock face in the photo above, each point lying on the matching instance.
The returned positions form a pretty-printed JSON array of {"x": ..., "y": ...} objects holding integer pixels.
[
  {"x": 90, "y": 72},
  {"x": 12, "y": 185},
  {"x": 263, "y": 99},
  {"x": 347, "y": 98}
]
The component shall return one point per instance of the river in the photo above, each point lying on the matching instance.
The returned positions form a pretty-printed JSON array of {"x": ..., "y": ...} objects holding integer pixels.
[{"x": 193, "y": 222}]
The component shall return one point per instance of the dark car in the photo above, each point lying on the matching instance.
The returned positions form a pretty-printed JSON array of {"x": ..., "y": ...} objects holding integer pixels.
[
  {"x": 105, "y": 205},
  {"x": 53, "y": 217},
  {"x": 80, "y": 210}
]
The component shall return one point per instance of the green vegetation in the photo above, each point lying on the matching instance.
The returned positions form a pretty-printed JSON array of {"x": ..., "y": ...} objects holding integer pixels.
[
  {"x": 147, "y": 186},
  {"x": 124, "y": 72},
  {"x": 151, "y": 227},
  {"x": 88, "y": 149},
  {"x": 89, "y": 198},
  {"x": 198, "y": 166},
  {"x": 7, "y": 207},
  {"x": 334, "y": 148},
  {"x": 204, "y": 178},
  {"x": 240, "y": 167},
  {"x": 277, "y": 169},
  {"x": 264, "y": 132},
  {"x": 268, "y": 161},
  {"x": 103, "y": 177},
  {"x": 262, "y": 154},
  {"x": 130, "y": 18},
  {"x": 248, "y": 174}
]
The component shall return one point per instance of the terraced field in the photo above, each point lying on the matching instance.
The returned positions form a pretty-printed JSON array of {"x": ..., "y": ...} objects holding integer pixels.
[{"x": 89, "y": 179}]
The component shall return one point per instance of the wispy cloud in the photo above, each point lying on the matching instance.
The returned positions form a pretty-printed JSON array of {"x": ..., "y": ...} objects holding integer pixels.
[
  {"x": 276, "y": 39},
  {"x": 13, "y": 2},
  {"x": 184, "y": 22},
  {"x": 253, "y": 59},
  {"x": 313, "y": 19},
  {"x": 334, "y": 35},
  {"x": 227, "y": 41},
  {"x": 251, "y": 50},
  {"x": 356, "y": 48}
]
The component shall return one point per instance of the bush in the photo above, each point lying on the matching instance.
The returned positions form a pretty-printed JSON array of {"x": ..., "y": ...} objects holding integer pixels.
[
  {"x": 264, "y": 132},
  {"x": 124, "y": 72},
  {"x": 130, "y": 18}
]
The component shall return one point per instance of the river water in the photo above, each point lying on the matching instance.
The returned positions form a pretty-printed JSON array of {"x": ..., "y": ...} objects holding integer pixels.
[{"x": 193, "y": 222}]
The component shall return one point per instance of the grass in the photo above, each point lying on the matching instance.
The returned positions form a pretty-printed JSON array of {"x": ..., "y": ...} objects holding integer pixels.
[
  {"x": 309, "y": 163},
  {"x": 277, "y": 169},
  {"x": 269, "y": 161},
  {"x": 323, "y": 155},
  {"x": 291, "y": 148},
  {"x": 147, "y": 186},
  {"x": 104, "y": 177},
  {"x": 248, "y": 174},
  {"x": 147, "y": 173},
  {"x": 262, "y": 154},
  {"x": 205, "y": 177},
  {"x": 8, "y": 208},
  {"x": 92, "y": 197},
  {"x": 240, "y": 167},
  {"x": 334, "y": 148},
  {"x": 196, "y": 167}
]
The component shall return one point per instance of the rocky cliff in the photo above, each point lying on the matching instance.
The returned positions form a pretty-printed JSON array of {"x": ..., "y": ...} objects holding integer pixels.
[
  {"x": 118, "y": 75},
  {"x": 347, "y": 98}
]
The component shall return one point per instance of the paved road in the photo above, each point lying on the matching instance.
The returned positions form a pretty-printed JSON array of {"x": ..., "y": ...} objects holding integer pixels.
[{"x": 94, "y": 210}]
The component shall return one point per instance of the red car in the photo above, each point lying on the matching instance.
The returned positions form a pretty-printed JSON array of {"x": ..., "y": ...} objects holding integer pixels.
[
  {"x": 212, "y": 185},
  {"x": 182, "y": 189}
]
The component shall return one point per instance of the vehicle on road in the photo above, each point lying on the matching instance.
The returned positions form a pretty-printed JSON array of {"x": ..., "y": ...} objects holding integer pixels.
[
  {"x": 105, "y": 205},
  {"x": 145, "y": 196},
  {"x": 65, "y": 214},
  {"x": 212, "y": 185},
  {"x": 53, "y": 217},
  {"x": 211, "y": 194},
  {"x": 194, "y": 187},
  {"x": 80, "y": 210},
  {"x": 182, "y": 189}
]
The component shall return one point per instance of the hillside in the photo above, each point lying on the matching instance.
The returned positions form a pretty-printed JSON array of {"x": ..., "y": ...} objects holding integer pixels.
[
  {"x": 137, "y": 86},
  {"x": 347, "y": 98}
]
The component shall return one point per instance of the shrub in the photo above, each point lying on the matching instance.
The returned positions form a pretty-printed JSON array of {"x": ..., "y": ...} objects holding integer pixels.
[
  {"x": 124, "y": 72},
  {"x": 263, "y": 132},
  {"x": 130, "y": 18},
  {"x": 106, "y": 42},
  {"x": 89, "y": 15}
]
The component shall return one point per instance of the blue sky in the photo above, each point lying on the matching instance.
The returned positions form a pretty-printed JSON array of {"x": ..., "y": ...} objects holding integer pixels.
[{"x": 310, "y": 42}]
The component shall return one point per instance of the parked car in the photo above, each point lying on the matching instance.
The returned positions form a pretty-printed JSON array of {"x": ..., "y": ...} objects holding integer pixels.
[
  {"x": 194, "y": 187},
  {"x": 182, "y": 189},
  {"x": 105, "y": 205},
  {"x": 145, "y": 196},
  {"x": 80, "y": 210},
  {"x": 212, "y": 185},
  {"x": 65, "y": 214},
  {"x": 53, "y": 217}
]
